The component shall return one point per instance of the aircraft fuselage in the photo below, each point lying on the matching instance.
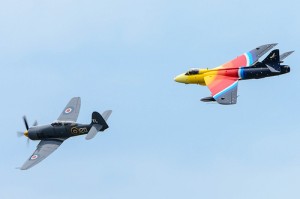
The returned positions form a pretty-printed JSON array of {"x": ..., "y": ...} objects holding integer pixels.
[
  {"x": 243, "y": 73},
  {"x": 58, "y": 130}
]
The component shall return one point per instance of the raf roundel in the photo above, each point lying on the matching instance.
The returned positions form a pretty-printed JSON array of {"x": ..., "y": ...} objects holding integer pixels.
[
  {"x": 34, "y": 157},
  {"x": 68, "y": 110}
]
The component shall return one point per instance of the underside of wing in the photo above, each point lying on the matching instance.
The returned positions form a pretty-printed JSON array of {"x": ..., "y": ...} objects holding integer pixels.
[
  {"x": 71, "y": 111},
  {"x": 249, "y": 58},
  {"x": 43, "y": 150},
  {"x": 223, "y": 89}
]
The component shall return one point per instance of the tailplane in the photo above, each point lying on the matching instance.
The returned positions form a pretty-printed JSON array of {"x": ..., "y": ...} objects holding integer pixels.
[
  {"x": 285, "y": 55},
  {"x": 98, "y": 123}
]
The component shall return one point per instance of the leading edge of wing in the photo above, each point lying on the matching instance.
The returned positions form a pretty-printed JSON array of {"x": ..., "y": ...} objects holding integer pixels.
[
  {"x": 258, "y": 52},
  {"x": 249, "y": 58},
  {"x": 223, "y": 89},
  {"x": 43, "y": 150}
]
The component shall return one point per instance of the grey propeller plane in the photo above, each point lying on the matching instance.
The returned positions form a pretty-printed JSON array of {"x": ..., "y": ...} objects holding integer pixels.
[{"x": 54, "y": 134}]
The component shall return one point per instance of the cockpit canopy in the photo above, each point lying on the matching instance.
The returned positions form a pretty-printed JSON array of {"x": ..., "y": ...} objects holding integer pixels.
[
  {"x": 193, "y": 72},
  {"x": 59, "y": 123}
]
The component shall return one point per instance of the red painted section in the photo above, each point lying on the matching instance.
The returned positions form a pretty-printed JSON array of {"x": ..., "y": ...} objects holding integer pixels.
[
  {"x": 240, "y": 61},
  {"x": 227, "y": 74},
  {"x": 221, "y": 83},
  {"x": 233, "y": 72}
]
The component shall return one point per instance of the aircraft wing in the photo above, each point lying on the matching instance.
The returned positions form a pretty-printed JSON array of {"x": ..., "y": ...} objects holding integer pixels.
[
  {"x": 249, "y": 58},
  {"x": 223, "y": 89},
  {"x": 71, "y": 111},
  {"x": 43, "y": 150}
]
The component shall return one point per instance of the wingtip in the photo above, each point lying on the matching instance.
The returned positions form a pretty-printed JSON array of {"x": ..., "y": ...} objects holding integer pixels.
[
  {"x": 273, "y": 44},
  {"x": 20, "y": 168}
]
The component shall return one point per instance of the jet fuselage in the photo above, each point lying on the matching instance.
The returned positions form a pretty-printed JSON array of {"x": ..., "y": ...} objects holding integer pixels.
[{"x": 196, "y": 76}]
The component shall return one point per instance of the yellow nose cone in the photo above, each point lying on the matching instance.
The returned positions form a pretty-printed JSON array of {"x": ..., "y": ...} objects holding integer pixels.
[
  {"x": 26, "y": 133},
  {"x": 181, "y": 78}
]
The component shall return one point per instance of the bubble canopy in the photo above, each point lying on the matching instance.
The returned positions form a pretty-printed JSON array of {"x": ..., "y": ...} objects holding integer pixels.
[{"x": 193, "y": 72}]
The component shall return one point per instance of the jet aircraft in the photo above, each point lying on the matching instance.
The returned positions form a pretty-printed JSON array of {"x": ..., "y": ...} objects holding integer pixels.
[
  {"x": 222, "y": 81},
  {"x": 54, "y": 134}
]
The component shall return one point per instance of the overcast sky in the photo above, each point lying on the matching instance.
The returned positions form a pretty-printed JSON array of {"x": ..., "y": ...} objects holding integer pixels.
[{"x": 162, "y": 142}]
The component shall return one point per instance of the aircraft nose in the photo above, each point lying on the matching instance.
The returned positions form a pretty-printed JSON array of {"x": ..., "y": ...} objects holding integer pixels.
[
  {"x": 26, "y": 133},
  {"x": 181, "y": 78}
]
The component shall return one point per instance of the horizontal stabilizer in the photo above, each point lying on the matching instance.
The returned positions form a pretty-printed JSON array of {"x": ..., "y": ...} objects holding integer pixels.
[
  {"x": 208, "y": 99},
  {"x": 285, "y": 55},
  {"x": 274, "y": 69},
  {"x": 106, "y": 114},
  {"x": 92, "y": 133}
]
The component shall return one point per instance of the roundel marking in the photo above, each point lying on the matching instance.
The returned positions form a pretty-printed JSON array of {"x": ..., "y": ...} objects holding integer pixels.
[
  {"x": 34, "y": 157},
  {"x": 68, "y": 110}
]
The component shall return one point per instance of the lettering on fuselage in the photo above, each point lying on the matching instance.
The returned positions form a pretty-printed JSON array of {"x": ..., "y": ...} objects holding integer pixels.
[{"x": 78, "y": 131}]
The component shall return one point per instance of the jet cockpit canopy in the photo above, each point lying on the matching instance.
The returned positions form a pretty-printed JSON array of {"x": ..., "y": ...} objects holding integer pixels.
[{"x": 193, "y": 71}]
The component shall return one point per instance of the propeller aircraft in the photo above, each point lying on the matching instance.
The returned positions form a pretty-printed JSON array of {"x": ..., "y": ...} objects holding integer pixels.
[
  {"x": 222, "y": 81},
  {"x": 52, "y": 135}
]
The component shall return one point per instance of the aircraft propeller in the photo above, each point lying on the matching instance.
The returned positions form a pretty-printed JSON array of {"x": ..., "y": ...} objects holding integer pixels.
[
  {"x": 20, "y": 134},
  {"x": 25, "y": 122}
]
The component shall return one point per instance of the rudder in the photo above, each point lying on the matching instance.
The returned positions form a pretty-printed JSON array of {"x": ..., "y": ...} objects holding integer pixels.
[
  {"x": 272, "y": 61},
  {"x": 99, "y": 121}
]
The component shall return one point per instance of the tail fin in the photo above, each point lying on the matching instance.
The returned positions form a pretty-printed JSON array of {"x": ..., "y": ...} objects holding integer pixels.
[
  {"x": 99, "y": 121},
  {"x": 272, "y": 61},
  {"x": 273, "y": 57}
]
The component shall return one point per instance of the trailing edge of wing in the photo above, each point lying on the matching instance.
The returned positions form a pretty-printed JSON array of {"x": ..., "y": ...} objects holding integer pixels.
[
  {"x": 228, "y": 95},
  {"x": 223, "y": 89}
]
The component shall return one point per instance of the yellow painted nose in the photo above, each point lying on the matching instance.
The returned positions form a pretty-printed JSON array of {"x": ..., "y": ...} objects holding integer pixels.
[
  {"x": 181, "y": 78},
  {"x": 26, "y": 133}
]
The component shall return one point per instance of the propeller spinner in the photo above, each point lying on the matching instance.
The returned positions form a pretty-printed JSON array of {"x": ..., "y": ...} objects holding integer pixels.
[{"x": 20, "y": 134}]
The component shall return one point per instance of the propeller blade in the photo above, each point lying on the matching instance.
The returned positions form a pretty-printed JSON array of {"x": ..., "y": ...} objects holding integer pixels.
[
  {"x": 27, "y": 143},
  {"x": 35, "y": 123},
  {"x": 20, "y": 134},
  {"x": 25, "y": 122}
]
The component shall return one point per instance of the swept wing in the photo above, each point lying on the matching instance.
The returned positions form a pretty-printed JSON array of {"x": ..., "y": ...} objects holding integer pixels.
[
  {"x": 249, "y": 58},
  {"x": 223, "y": 89}
]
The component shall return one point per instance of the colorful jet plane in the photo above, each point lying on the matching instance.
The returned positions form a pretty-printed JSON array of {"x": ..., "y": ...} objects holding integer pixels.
[
  {"x": 222, "y": 81},
  {"x": 53, "y": 135}
]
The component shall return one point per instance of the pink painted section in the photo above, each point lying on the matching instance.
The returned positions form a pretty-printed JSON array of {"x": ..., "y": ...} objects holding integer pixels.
[
  {"x": 240, "y": 61},
  {"x": 221, "y": 83}
]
